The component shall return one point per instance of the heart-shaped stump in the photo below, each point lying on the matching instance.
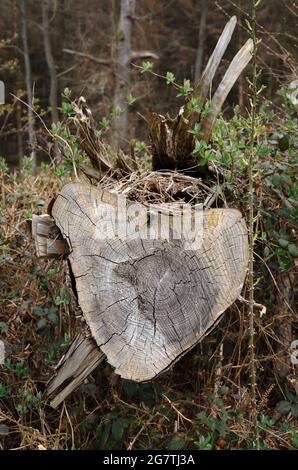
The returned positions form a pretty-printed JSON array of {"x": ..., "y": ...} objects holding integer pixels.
[{"x": 148, "y": 300}]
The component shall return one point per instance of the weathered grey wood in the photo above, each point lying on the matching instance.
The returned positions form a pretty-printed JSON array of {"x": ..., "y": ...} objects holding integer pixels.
[
  {"x": 89, "y": 138},
  {"x": 149, "y": 301},
  {"x": 202, "y": 88},
  {"x": 187, "y": 119},
  {"x": 80, "y": 360},
  {"x": 235, "y": 68},
  {"x": 47, "y": 237}
]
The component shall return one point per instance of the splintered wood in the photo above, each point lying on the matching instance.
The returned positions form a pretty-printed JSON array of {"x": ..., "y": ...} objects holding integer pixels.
[
  {"x": 48, "y": 240},
  {"x": 148, "y": 301}
]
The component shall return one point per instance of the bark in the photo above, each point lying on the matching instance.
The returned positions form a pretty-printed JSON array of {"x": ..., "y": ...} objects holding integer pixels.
[
  {"x": 48, "y": 240},
  {"x": 202, "y": 39},
  {"x": 51, "y": 66},
  {"x": 124, "y": 54},
  {"x": 28, "y": 83},
  {"x": 148, "y": 301}
]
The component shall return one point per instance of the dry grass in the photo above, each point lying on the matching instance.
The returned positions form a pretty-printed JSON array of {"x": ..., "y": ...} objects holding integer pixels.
[{"x": 211, "y": 380}]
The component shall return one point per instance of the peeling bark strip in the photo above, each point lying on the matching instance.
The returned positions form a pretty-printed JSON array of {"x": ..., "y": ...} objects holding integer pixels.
[
  {"x": 47, "y": 237},
  {"x": 147, "y": 302}
]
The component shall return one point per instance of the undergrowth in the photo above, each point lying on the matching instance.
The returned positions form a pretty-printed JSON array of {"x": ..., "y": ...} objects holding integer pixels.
[{"x": 204, "y": 401}]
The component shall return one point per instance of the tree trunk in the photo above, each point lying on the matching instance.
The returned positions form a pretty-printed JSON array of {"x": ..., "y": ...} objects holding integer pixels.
[
  {"x": 202, "y": 39},
  {"x": 124, "y": 52},
  {"x": 28, "y": 83},
  {"x": 19, "y": 131},
  {"x": 51, "y": 65}
]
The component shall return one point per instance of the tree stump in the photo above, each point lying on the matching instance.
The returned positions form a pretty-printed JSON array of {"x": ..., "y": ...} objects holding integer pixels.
[{"x": 148, "y": 301}]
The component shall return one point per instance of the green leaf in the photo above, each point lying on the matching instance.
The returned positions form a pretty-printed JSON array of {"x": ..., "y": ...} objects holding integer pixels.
[
  {"x": 63, "y": 298},
  {"x": 147, "y": 66},
  {"x": 41, "y": 324},
  {"x": 194, "y": 104},
  {"x": 294, "y": 410},
  {"x": 67, "y": 109},
  {"x": 140, "y": 146},
  {"x": 40, "y": 311},
  {"x": 53, "y": 317},
  {"x": 130, "y": 388},
  {"x": 293, "y": 250},
  {"x": 147, "y": 394},
  {"x": 185, "y": 89},
  {"x": 295, "y": 440},
  {"x": 130, "y": 99},
  {"x": 66, "y": 93},
  {"x": 170, "y": 78},
  {"x": 177, "y": 443},
  {"x": 276, "y": 180},
  {"x": 196, "y": 130},
  {"x": 4, "y": 391},
  {"x": 283, "y": 243},
  {"x": 116, "y": 111},
  {"x": 104, "y": 123},
  {"x": 284, "y": 407},
  {"x": 51, "y": 274},
  {"x": 118, "y": 428},
  {"x": 3, "y": 327}
]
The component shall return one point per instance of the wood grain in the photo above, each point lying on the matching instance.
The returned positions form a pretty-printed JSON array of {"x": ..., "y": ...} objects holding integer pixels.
[{"x": 147, "y": 302}]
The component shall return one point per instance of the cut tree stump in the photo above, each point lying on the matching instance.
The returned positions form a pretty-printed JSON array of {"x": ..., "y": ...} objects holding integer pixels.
[{"x": 147, "y": 302}]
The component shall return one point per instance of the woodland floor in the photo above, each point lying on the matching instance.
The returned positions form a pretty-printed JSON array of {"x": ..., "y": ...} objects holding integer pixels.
[{"x": 202, "y": 403}]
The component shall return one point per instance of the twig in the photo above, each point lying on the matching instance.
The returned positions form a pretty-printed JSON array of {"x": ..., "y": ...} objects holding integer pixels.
[{"x": 176, "y": 409}]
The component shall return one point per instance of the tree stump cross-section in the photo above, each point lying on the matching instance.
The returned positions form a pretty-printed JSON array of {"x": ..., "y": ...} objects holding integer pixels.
[{"x": 148, "y": 301}]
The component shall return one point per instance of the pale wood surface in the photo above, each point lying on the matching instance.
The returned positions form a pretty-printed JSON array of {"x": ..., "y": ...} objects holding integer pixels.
[
  {"x": 235, "y": 68},
  {"x": 203, "y": 87},
  {"x": 80, "y": 360},
  {"x": 149, "y": 301}
]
